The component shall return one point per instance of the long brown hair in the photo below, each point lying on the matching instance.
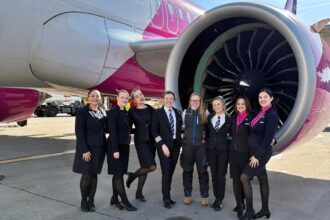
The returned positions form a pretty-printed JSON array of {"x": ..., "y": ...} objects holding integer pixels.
[{"x": 201, "y": 109}]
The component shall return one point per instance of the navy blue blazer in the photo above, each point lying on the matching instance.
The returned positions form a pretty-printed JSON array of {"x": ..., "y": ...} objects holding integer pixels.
[
  {"x": 240, "y": 134},
  {"x": 218, "y": 139},
  {"x": 263, "y": 133},
  {"x": 89, "y": 130},
  {"x": 161, "y": 130},
  {"x": 119, "y": 128}
]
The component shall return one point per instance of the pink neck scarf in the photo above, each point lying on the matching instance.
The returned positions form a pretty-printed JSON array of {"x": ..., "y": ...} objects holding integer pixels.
[
  {"x": 240, "y": 118},
  {"x": 259, "y": 115}
]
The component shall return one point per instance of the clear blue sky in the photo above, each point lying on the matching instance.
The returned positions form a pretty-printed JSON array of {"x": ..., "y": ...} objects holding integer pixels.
[{"x": 310, "y": 11}]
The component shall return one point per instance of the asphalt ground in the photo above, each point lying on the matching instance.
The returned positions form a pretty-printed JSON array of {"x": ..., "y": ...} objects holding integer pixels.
[{"x": 39, "y": 183}]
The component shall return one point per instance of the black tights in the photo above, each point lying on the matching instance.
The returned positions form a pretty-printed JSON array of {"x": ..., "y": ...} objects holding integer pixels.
[
  {"x": 238, "y": 192},
  {"x": 119, "y": 189},
  {"x": 142, "y": 175},
  {"x": 264, "y": 191},
  {"x": 88, "y": 185}
]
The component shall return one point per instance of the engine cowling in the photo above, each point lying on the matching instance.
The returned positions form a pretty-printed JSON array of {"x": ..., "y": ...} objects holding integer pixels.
[
  {"x": 18, "y": 104},
  {"x": 240, "y": 48}
]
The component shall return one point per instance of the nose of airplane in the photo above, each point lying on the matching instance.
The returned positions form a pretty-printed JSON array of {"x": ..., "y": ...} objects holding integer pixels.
[{"x": 70, "y": 50}]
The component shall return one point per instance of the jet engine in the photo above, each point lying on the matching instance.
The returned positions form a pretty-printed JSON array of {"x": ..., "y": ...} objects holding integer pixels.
[{"x": 240, "y": 48}]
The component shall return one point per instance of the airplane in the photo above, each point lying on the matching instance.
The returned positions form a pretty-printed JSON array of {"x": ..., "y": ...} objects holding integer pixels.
[{"x": 233, "y": 49}]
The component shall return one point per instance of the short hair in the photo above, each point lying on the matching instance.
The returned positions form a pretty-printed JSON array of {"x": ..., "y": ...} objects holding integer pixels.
[
  {"x": 246, "y": 102},
  {"x": 169, "y": 93},
  {"x": 121, "y": 91}
]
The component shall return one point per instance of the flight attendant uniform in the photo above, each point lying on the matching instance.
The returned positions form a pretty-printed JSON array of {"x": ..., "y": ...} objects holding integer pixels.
[
  {"x": 218, "y": 145},
  {"x": 90, "y": 132},
  {"x": 239, "y": 154},
  {"x": 119, "y": 139},
  {"x": 164, "y": 133}
]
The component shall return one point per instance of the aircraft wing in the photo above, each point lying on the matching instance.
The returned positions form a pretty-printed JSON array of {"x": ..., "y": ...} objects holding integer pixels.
[{"x": 152, "y": 55}]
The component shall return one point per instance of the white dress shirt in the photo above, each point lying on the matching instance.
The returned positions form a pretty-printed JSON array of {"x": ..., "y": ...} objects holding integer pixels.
[
  {"x": 215, "y": 119},
  {"x": 174, "y": 119}
]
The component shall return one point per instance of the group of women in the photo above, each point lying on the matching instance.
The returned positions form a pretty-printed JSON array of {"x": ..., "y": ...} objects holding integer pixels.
[{"x": 205, "y": 143}]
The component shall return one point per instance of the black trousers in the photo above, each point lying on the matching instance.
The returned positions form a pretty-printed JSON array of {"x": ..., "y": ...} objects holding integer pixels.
[
  {"x": 192, "y": 155},
  {"x": 167, "y": 165},
  {"x": 218, "y": 160}
]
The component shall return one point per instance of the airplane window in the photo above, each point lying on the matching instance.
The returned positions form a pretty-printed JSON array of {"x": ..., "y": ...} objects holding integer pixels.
[
  {"x": 170, "y": 9},
  {"x": 180, "y": 13}
]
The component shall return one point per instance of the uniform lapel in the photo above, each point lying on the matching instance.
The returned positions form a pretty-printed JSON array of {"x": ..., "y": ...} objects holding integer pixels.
[{"x": 165, "y": 118}]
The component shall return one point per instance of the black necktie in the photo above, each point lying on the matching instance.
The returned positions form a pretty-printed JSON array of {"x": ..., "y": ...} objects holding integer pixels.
[
  {"x": 217, "y": 124},
  {"x": 171, "y": 121}
]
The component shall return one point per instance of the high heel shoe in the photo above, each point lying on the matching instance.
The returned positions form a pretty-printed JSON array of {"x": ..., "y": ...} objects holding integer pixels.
[
  {"x": 115, "y": 201},
  {"x": 128, "y": 207},
  {"x": 247, "y": 216},
  {"x": 262, "y": 213},
  {"x": 129, "y": 180},
  {"x": 140, "y": 197}
]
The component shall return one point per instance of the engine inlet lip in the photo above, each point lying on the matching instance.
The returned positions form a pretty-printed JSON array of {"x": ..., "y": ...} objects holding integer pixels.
[{"x": 287, "y": 26}]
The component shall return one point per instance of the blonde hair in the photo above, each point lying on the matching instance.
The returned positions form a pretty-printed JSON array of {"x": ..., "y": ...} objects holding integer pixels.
[
  {"x": 201, "y": 109},
  {"x": 133, "y": 91},
  {"x": 222, "y": 100}
]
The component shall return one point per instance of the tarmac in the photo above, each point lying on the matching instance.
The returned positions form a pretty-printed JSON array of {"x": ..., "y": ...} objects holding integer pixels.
[{"x": 39, "y": 183}]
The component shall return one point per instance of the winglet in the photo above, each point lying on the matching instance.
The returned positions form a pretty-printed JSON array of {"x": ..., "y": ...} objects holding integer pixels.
[
  {"x": 291, "y": 5},
  {"x": 320, "y": 25}
]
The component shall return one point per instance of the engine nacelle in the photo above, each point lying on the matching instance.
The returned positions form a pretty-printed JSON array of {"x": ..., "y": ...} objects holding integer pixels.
[
  {"x": 240, "y": 48},
  {"x": 18, "y": 104}
]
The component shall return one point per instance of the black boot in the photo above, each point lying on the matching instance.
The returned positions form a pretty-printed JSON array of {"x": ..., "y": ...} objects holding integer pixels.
[{"x": 91, "y": 205}]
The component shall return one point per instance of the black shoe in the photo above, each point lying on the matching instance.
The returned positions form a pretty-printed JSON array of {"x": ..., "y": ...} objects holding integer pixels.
[
  {"x": 172, "y": 202},
  {"x": 262, "y": 213},
  {"x": 115, "y": 201},
  {"x": 217, "y": 205},
  {"x": 140, "y": 197},
  {"x": 91, "y": 206},
  {"x": 128, "y": 207},
  {"x": 2, "y": 177},
  {"x": 167, "y": 204},
  {"x": 247, "y": 216},
  {"x": 84, "y": 205},
  {"x": 129, "y": 180},
  {"x": 236, "y": 208}
]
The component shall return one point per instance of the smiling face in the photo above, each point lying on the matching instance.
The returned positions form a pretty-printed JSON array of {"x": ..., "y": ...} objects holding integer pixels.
[
  {"x": 168, "y": 100},
  {"x": 94, "y": 98},
  {"x": 265, "y": 99},
  {"x": 240, "y": 105},
  {"x": 218, "y": 107},
  {"x": 194, "y": 102},
  {"x": 138, "y": 97},
  {"x": 122, "y": 99}
]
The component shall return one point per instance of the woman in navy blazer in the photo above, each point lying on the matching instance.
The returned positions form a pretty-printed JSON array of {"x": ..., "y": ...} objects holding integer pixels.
[
  {"x": 217, "y": 149},
  {"x": 239, "y": 148},
  {"x": 141, "y": 115},
  {"x": 118, "y": 149},
  {"x": 263, "y": 128},
  {"x": 90, "y": 148}
]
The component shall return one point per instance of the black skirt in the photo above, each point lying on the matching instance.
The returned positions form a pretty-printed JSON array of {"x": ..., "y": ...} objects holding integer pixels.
[
  {"x": 237, "y": 161},
  {"x": 146, "y": 152},
  {"x": 94, "y": 166},
  {"x": 119, "y": 166},
  {"x": 259, "y": 170}
]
